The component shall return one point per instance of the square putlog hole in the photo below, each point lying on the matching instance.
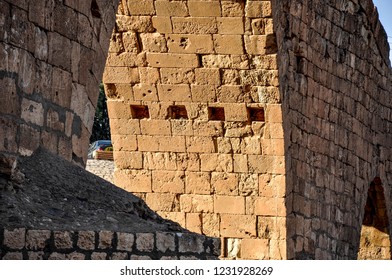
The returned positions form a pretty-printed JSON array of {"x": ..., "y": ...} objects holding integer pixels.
[
  {"x": 140, "y": 112},
  {"x": 256, "y": 114},
  {"x": 177, "y": 112},
  {"x": 216, "y": 113}
]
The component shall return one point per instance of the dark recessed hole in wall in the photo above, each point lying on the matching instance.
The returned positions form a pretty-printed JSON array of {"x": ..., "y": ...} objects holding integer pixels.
[
  {"x": 95, "y": 9},
  {"x": 140, "y": 112},
  {"x": 177, "y": 112},
  {"x": 256, "y": 114},
  {"x": 216, "y": 113}
]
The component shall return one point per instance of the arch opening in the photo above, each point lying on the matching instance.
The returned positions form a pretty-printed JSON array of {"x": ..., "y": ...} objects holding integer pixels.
[{"x": 375, "y": 240}]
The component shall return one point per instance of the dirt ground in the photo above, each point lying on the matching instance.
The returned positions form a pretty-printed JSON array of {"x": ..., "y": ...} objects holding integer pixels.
[{"x": 47, "y": 192}]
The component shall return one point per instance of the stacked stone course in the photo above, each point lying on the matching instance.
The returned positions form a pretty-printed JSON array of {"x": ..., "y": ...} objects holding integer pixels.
[
  {"x": 21, "y": 243},
  {"x": 196, "y": 118}
]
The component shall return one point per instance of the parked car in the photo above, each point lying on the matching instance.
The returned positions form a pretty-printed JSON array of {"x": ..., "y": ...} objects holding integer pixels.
[{"x": 100, "y": 145}]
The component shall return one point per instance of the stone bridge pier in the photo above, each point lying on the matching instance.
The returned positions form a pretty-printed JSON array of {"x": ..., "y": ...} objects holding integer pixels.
[{"x": 265, "y": 123}]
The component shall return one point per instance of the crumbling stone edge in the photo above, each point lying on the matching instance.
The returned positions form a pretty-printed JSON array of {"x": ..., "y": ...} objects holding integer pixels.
[{"x": 33, "y": 244}]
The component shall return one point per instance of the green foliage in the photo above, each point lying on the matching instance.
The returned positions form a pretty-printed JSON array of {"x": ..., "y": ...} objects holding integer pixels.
[{"x": 101, "y": 128}]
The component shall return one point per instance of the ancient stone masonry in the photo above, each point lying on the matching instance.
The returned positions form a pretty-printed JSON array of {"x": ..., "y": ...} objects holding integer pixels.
[
  {"x": 261, "y": 122},
  {"x": 335, "y": 83},
  {"x": 52, "y": 57},
  {"x": 19, "y": 243},
  {"x": 196, "y": 119},
  {"x": 264, "y": 123}
]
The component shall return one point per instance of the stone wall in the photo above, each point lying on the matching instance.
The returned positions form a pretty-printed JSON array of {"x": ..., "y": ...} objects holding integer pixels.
[
  {"x": 52, "y": 56},
  {"x": 21, "y": 243},
  {"x": 335, "y": 81},
  {"x": 196, "y": 119}
]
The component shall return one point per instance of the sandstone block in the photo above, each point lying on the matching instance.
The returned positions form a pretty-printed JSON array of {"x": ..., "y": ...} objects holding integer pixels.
[
  {"x": 196, "y": 144},
  {"x": 126, "y": 59},
  {"x": 258, "y": 9},
  {"x": 15, "y": 239},
  {"x": 224, "y": 183},
  {"x": 175, "y": 93},
  {"x": 270, "y": 206},
  {"x": 32, "y": 112},
  {"x": 204, "y": 9},
  {"x": 75, "y": 256},
  {"x": 165, "y": 242},
  {"x": 199, "y": 25},
  {"x": 125, "y": 241},
  {"x": 232, "y": 9},
  {"x": 197, "y": 183},
  {"x": 171, "y": 8},
  {"x": 170, "y": 60},
  {"x": 86, "y": 240},
  {"x": 162, "y": 24},
  {"x": 194, "y": 222},
  {"x": 255, "y": 249},
  {"x": 207, "y": 76},
  {"x": 153, "y": 42},
  {"x": 228, "y": 44},
  {"x": 160, "y": 161},
  {"x": 105, "y": 239},
  {"x": 205, "y": 128},
  {"x": 188, "y": 162},
  {"x": 121, "y": 75},
  {"x": 124, "y": 126},
  {"x": 63, "y": 239},
  {"x": 133, "y": 180},
  {"x": 190, "y": 43},
  {"x": 139, "y": 24},
  {"x": 260, "y": 44},
  {"x": 192, "y": 203},
  {"x": 272, "y": 228},
  {"x": 241, "y": 226},
  {"x": 210, "y": 224},
  {"x": 230, "y": 25},
  {"x": 163, "y": 202},
  {"x": 251, "y": 145},
  {"x": 124, "y": 142},
  {"x": 273, "y": 147},
  {"x": 216, "y": 162},
  {"x": 149, "y": 75},
  {"x": 203, "y": 93},
  {"x": 37, "y": 239},
  {"x": 172, "y": 144},
  {"x": 229, "y": 204},
  {"x": 249, "y": 184},
  {"x": 190, "y": 243},
  {"x": 142, "y": 7},
  {"x": 155, "y": 127},
  {"x": 128, "y": 42},
  {"x": 168, "y": 182},
  {"x": 145, "y": 242},
  {"x": 147, "y": 143},
  {"x": 231, "y": 94},
  {"x": 128, "y": 160},
  {"x": 13, "y": 256},
  {"x": 181, "y": 127},
  {"x": 260, "y": 164},
  {"x": 236, "y": 112},
  {"x": 225, "y": 61},
  {"x": 240, "y": 163}
]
